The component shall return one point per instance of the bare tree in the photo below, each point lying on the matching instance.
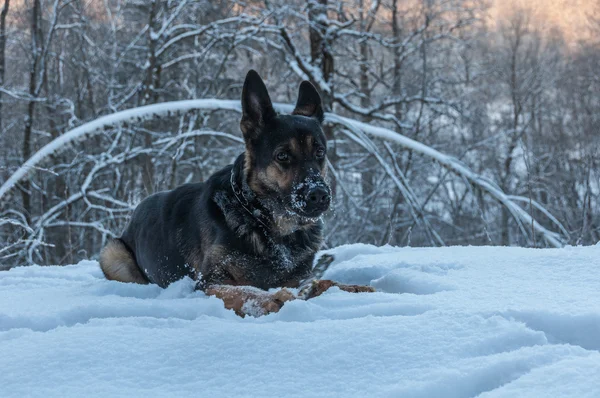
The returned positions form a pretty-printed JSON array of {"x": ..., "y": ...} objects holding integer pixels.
[{"x": 442, "y": 130}]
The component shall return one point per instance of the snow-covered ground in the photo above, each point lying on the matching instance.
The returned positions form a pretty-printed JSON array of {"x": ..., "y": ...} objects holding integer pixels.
[{"x": 449, "y": 322}]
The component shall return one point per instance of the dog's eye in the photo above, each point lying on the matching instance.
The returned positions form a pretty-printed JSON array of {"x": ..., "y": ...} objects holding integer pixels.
[
  {"x": 282, "y": 157},
  {"x": 320, "y": 154}
]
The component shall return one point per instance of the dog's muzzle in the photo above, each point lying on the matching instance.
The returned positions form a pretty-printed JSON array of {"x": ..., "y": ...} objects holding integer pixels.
[{"x": 311, "y": 198}]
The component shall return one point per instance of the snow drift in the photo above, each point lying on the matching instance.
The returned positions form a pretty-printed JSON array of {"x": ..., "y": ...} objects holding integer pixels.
[{"x": 446, "y": 322}]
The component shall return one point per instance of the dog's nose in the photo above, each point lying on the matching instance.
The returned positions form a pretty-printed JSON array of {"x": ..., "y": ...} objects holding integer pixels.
[{"x": 318, "y": 197}]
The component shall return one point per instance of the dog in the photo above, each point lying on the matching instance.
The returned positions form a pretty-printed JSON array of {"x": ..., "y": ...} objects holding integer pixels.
[{"x": 254, "y": 223}]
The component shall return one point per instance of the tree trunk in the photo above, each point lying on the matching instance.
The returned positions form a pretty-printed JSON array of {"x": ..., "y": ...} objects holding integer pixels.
[
  {"x": 35, "y": 44},
  {"x": 320, "y": 52},
  {"x": 3, "y": 49},
  {"x": 149, "y": 95},
  {"x": 321, "y": 56},
  {"x": 397, "y": 85}
]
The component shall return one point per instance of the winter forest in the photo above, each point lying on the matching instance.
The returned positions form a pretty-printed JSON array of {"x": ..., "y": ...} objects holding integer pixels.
[{"x": 444, "y": 126}]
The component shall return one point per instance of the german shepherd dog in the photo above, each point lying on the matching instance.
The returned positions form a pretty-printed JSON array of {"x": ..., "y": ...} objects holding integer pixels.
[{"x": 253, "y": 223}]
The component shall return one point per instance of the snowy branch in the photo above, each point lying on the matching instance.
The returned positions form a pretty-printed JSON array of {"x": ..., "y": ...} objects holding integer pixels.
[{"x": 172, "y": 108}]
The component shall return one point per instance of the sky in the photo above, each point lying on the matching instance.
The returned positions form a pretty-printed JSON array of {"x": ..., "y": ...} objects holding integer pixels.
[{"x": 570, "y": 16}]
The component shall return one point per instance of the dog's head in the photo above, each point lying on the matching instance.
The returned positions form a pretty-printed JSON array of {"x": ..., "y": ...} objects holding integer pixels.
[{"x": 285, "y": 154}]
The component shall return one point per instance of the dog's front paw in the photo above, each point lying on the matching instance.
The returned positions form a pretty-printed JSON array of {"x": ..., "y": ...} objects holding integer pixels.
[
  {"x": 321, "y": 286},
  {"x": 246, "y": 300},
  {"x": 356, "y": 288},
  {"x": 268, "y": 302}
]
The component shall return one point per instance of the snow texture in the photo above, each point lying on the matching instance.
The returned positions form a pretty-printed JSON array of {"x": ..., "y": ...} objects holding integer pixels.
[{"x": 446, "y": 322}]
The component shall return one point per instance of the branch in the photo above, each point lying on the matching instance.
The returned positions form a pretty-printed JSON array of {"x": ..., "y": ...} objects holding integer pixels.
[{"x": 171, "y": 108}]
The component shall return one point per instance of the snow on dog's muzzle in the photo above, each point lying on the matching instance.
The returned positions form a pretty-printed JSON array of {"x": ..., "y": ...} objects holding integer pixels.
[{"x": 311, "y": 197}]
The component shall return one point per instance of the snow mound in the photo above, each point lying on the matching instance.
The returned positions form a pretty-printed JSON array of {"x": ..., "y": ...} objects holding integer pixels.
[{"x": 448, "y": 322}]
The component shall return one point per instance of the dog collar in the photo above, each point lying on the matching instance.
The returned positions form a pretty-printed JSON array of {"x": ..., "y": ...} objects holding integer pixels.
[{"x": 239, "y": 195}]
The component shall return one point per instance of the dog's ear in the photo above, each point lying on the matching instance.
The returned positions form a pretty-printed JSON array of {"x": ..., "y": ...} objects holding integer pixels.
[
  {"x": 257, "y": 108},
  {"x": 309, "y": 102}
]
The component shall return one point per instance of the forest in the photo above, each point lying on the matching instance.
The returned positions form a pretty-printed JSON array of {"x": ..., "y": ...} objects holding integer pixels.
[{"x": 444, "y": 127}]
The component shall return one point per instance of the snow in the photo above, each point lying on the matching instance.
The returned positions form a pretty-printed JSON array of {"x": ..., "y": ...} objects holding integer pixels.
[{"x": 446, "y": 322}]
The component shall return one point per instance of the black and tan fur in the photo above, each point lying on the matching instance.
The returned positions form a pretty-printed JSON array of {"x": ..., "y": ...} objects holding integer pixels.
[{"x": 255, "y": 222}]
